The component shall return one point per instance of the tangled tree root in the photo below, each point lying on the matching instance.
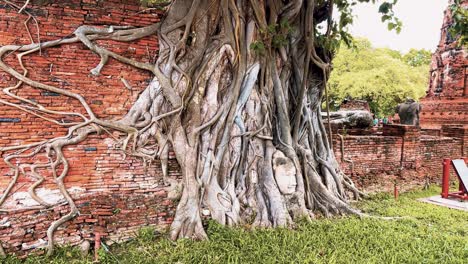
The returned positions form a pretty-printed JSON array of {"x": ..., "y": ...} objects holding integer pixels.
[{"x": 245, "y": 125}]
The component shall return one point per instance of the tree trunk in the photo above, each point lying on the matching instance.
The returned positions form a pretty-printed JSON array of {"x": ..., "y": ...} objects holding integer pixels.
[
  {"x": 250, "y": 117},
  {"x": 237, "y": 94}
]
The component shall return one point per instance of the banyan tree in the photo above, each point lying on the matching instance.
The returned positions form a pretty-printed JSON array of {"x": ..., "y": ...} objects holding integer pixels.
[{"x": 236, "y": 93}]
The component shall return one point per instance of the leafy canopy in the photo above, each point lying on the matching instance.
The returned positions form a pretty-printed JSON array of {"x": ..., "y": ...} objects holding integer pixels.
[
  {"x": 459, "y": 27},
  {"x": 417, "y": 58},
  {"x": 339, "y": 28},
  {"x": 381, "y": 76},
  {"x": 338, "y": 33}
]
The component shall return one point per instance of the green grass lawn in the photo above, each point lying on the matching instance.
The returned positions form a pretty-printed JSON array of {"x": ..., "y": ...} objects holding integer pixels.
[{"x": 430, "y": 234}]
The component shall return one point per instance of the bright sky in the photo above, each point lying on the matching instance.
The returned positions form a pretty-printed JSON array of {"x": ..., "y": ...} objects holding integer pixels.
[{"x": 422, "y": 20}]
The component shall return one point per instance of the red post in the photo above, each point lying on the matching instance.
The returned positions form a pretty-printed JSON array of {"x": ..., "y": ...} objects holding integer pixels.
[
  {"x": 97, "y": 246},
  {"x": 446, "y": 178}
]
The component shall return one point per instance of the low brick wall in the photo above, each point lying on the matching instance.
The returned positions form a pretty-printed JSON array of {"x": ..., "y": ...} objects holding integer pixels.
[
  {"x": 373, "y": 157},
  {"x": 399, "y": 153},
  {"x": 116, "y": 216}
]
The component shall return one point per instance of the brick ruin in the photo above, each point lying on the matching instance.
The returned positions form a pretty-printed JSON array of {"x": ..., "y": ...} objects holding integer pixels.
[
  {"x": 115, "y": 195},
  {"x": 355, "y": 105},
  {"x": 412, "y": 155},
  {"x": 446, "y": 101},
  {"x": 406, "y": 154}
]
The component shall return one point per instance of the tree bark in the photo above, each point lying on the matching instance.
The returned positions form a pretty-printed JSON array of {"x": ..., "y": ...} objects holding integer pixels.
[{"x": 236, "y": 93}]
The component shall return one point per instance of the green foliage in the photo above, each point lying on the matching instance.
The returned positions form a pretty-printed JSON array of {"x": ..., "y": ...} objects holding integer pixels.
[
  {"x": 146, "y": 234},
  {"x": 381, "y": 76},
  {"x": 393, "y": 23},
  {"x": 418, "y": 58},
  {"x": 274, "y": 36},
  {"x": 258, "y": 47},
  {"x": 430, "y": 234},
  {"x": 459, "y": 27},
  {"x": 339, "y": 32}
]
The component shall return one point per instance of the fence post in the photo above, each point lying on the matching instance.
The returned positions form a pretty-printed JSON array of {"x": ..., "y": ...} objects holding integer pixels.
[
  {"x": 97, "y": 246},
  {"x": 446, "y": 178}
]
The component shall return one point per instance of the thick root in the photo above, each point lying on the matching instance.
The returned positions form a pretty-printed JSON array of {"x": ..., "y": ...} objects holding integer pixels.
[
  {"x": 187, "y": 222},
  {"x": 54, "y": 226}
]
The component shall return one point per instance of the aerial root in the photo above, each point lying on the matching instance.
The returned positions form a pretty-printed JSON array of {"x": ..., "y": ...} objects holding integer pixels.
[
  {"x": 386, "y": 218},
  {"x": 50, "y": 231},
  {"x": 348, "y": 183},
  {"x": 32, "y": 190}
]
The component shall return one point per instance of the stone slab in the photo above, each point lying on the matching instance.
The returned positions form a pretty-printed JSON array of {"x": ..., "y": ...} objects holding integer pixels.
[
  {"x": 450, "y": 203},
  {"x": 462, "y": 171}
]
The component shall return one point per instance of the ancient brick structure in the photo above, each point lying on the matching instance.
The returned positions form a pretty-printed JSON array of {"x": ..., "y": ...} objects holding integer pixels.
[
  {"x": 351, "y": 104},
  {"x": 115, "y": 195},
  {"x": 446, "y": 101},
  {"x": 399, "y": 152}
]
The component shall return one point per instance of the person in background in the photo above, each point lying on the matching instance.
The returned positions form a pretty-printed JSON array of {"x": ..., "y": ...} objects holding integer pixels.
[
  {"x": 376, "y": 121},
  {"x": 385, "y": 120}
]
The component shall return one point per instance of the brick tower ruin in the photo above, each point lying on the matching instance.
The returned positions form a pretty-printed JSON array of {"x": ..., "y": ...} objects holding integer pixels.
[{"x": 446, "y": 102}]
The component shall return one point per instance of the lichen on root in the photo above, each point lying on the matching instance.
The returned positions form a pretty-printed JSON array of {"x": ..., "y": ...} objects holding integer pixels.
[{"x": 244, "y": 123}]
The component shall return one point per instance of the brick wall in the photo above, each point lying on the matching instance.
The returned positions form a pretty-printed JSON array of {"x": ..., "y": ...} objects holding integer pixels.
[
  {"x": 432, "y": 151},
  {"x": 350, "y": 104},
  {"x": 374, "y": 158},
  {"x": 460, "y": 132},
  {"x": 115, "y": 196},
  {"x": 399, "y": 153},
  {"x": 117, "y": 216}
]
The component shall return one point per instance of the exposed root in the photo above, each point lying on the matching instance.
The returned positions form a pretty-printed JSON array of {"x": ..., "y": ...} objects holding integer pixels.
[
  {"x": 386, "y": 218},
  {"x": 24, "y": 6},
  {"x": 50, "y": 231},
  {"x": 32, "y": 188},
  {"x": 187, "y": 222},
  {"x": 223, "y": 108}
]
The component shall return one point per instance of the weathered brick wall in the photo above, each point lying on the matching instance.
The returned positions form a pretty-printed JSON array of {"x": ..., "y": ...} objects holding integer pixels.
[
  {"x": 460, "y": 132},
  {"x": 115, "y": 196},
  {"x": 375, "y": 158},
  {"x": 432, "y": 151},
  {"x": 446, "y": 101},
  {"x": 355, "y": 105},
  {"x": 117, "y": 217},
  {"x": 399, "y": 153}
]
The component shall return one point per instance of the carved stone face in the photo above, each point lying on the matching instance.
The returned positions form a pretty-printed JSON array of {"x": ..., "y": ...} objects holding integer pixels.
[{"x": 285, "y": 173}]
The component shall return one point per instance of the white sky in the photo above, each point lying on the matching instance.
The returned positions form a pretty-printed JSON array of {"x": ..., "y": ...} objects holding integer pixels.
[{"x": 422, "y": 20}]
